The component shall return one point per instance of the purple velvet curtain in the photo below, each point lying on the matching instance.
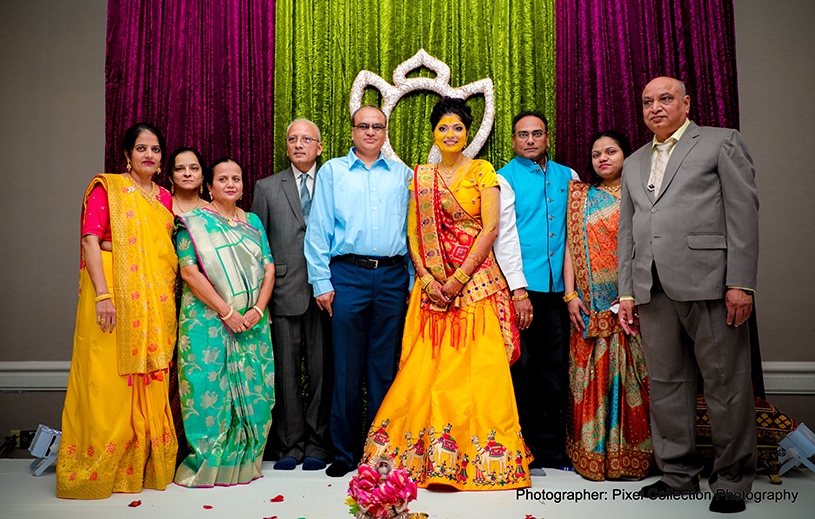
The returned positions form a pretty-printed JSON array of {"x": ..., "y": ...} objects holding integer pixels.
[
  {"x": 202, "y": 71},
  {"x": 608, "y": 50}
]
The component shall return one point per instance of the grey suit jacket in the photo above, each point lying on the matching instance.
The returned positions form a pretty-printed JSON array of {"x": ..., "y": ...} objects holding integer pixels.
[
  {"x": 701, "y": 231},
  {"x": 277, "y": 202}
]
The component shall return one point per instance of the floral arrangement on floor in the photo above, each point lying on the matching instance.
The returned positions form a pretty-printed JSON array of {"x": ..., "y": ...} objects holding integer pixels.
[{"x": 379, "y": 490}]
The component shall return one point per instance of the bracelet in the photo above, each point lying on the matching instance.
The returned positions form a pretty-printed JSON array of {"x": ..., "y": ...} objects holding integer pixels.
[
  {"x": 227, "y": 316},
  {"x": 461, "y": 276},
  {"x": 569, "y": 297},
  {"x": 103, "y": 297},
  {"x": 521, "y": 297},
  {"x": 258, "y": 310},
  {"x": 426, "y": 280}
]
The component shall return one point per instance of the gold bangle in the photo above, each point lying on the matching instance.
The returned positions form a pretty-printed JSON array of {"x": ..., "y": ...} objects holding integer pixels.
[
  {"x": 426, "y": 280},
  {"x": 521, "y": 297},
  {"x": 227, "y": 316},
  {"x": 258, "y": 310},
  {"x": 461, "y": 276},
  {"x": 569, "y": 297},
  {"x": 103, "y": 297}
]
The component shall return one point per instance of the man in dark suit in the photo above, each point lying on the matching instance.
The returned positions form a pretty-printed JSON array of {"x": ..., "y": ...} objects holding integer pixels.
[
  {"x": 688, "y": 253},
  {"x": 283, "y": 203}
]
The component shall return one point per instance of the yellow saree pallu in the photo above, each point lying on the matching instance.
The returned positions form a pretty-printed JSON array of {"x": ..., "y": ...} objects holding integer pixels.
[
  {"x": 117, "y": 427},
  {"x": 450, "y": 416}
]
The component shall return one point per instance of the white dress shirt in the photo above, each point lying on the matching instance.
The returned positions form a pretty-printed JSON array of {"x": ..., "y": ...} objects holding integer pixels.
[{"x": 298, "y": 176}]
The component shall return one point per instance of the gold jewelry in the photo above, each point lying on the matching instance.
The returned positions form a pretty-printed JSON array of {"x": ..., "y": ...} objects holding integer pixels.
[
  {"x": 258, "y": 310},
  {"x": 426, "y": 280},
  {"x": 102, "y": 321},
  {"x": 521, "y": 297},
  {"x": 531, "y": 316},
  {"x": 197, "y": 205},
  {"x": 128, "y": 166},
  {"x": 461, "y": 276},
  {"x": 227, "y": 316},
  {"x": 230, "y": 221},
  {"x": 172, "y": 188},
  {"x": 158, "y": 170},
  {"x": 569, "y": 297},
  {"x": 611, "y": 189},
  {"x": 103, "y": 297},
  {"x": 445, "y": 171},
  {"x": 201, "y": 188}
]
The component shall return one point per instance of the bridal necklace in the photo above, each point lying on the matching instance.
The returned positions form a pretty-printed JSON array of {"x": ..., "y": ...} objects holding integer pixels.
[
  {"x": 451, "y": 172},
  {"x": 611, "y": 189}
]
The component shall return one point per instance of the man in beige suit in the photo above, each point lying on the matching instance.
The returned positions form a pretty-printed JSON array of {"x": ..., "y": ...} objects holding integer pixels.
[{"x": 688, "y": 253}]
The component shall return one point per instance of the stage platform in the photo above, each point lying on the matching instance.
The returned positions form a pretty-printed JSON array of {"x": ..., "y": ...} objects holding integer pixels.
[{"x": 313, "y": 495}]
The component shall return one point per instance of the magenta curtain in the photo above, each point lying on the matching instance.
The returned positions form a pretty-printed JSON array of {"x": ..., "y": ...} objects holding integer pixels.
[
  {"x": 608, "y": 50},
  {"x": 202, "y": 71}
]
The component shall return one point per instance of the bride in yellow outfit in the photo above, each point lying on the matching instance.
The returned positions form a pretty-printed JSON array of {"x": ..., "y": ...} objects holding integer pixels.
[{"x": 450, "y": 416}]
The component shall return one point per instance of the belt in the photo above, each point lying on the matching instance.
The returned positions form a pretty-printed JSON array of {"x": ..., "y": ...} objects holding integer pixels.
[{"x": 368, "y": 262}]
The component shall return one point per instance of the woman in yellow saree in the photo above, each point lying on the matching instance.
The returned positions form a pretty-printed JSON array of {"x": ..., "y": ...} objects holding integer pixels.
[
  {"x": 117, "y": 428},
  {"x": 450, "y": 416}
]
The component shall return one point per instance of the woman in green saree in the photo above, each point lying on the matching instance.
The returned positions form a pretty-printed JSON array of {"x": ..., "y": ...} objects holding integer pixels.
[{"x": 226, "y": 370}]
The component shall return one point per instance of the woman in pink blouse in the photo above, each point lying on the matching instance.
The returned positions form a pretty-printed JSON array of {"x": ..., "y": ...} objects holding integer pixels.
[{"x": 117, "y": 429}]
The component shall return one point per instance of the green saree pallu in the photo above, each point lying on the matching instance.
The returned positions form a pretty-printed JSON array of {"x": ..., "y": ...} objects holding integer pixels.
[{"x": 226, "y": 379}]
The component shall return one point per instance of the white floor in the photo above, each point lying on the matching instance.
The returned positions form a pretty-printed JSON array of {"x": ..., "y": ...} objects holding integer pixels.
[{"x": 312, "y": 495}]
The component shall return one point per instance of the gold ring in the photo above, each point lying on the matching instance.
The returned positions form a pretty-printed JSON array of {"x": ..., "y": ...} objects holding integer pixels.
[
  {"x": 102, "y": 321},
  {"x": 531, "y": 316}
]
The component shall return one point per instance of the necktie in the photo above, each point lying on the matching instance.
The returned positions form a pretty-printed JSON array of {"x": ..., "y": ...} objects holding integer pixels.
[
  {"x": 658, "y": 169},
  {"x": 305, "y": 197}
]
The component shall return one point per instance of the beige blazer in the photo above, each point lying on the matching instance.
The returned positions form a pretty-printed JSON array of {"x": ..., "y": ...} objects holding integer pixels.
[{"x": 701, "y": 231}]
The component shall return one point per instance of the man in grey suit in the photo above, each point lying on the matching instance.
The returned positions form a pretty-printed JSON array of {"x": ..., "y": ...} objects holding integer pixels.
[
  {"x": 688, "y": 253},
  {"x": 283, "y": 203}
]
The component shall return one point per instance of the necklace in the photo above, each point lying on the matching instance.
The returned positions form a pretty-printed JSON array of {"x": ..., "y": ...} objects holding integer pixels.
[
  {"x": 611, "y": 189},
  {"x": 233, "y": 222},
  {"x": 197, "y": 205},
  {"x": 136, "y": 185},
  {"x": 447, "y": 173}
]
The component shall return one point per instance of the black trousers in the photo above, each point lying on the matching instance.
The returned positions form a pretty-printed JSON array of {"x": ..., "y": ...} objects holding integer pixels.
[{"x": 541, "y": 379}]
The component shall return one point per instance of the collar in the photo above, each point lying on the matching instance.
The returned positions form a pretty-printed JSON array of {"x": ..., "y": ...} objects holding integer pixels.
[
  {"x": 676, "y": 135},
  {"x": 299, "y": 174},
  {"x": 353, "y": 159},
  {"x": 531, "y": 164}
]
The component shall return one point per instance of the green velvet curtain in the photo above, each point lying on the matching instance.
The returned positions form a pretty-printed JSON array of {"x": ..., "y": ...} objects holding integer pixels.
[{"x": 321, "y": 45}]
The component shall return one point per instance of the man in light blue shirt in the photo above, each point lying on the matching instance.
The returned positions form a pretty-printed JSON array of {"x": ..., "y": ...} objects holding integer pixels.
[{"x": 356, "y": 245}]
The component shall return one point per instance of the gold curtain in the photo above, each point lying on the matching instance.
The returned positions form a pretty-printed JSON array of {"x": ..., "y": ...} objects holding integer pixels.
[{"x": 321, "y": 46}]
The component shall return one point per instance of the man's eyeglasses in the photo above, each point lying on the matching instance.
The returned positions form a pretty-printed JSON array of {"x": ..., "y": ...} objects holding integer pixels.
[
  {"x": 306, "y": 140},
  {"x": 365, "y": 126},
  {"x": 537, "y": 134}
]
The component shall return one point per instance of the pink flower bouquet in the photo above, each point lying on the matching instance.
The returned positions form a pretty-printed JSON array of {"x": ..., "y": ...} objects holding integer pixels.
[{"x": 380, "y": 491}]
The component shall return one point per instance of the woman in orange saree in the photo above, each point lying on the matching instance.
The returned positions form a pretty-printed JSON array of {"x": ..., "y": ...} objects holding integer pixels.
[
  {"x": 450, "y": 416},
  {"x": 117, "y": 428},
  {"x": 608, "y": 435}
]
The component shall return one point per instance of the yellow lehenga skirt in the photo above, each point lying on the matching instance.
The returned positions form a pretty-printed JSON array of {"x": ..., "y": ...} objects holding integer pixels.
[
  {"x": 117, "y": 431},
  {"x": 450, "y": 416}
]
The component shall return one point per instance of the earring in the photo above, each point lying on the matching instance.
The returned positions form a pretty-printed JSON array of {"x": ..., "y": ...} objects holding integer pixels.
[
  {"x": 201, "y": 189},
  {"x": 158, "y": 171},
  {"x": 128, "y": 166},
  {"x": 172, "y": 188}
]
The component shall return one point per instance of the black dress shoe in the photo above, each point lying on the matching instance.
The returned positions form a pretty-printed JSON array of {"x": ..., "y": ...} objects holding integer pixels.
[
  {"x": 662, "y": 490},
  {"x": 338, "y": 469},
  {"x": 726, "y": 502}
]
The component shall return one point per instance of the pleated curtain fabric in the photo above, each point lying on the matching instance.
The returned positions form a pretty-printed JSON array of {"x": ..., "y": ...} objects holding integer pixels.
[{"x": 323, "y": 44}]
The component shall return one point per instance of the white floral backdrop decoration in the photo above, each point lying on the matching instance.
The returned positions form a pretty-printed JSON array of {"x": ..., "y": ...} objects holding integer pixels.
[{"x": 439, "y": 84}]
